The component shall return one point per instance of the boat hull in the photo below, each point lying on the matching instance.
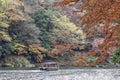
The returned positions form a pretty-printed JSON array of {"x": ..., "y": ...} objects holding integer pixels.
[{"x": 49, "y": 69}]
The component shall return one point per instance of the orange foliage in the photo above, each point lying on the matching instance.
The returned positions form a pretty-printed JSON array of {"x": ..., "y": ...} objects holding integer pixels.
[
  {"x": 34, "y": 48},
  {"x": 63, "y": 2},
  {"x": 91, "y": 53},
  {"x": 77, "y": 56},
  {"x": 15, "y": 16},
  {"x": 59, "y": 49},
  {"x": 100, "y": 59},
  {"x": 12, "y": 10},
  {"x": 81, "y": 63},
  {"x": 82, "y": 58},
  {"x": 107, "y": 12},
  {"x": 97, "y": 12}
]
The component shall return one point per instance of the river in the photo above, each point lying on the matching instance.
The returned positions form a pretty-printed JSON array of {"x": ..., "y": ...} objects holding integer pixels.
[{"x": 63, "y": 74}]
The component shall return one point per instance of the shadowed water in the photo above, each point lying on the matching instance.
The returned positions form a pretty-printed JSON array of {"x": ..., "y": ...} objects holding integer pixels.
[{"x": 64, "y": 74}]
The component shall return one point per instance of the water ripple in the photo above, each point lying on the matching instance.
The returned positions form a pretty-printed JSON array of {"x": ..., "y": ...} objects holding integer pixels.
[{"x": 65, "y": 74}]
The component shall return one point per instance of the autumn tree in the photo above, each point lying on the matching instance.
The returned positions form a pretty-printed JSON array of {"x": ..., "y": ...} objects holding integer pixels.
[{"x": 100, "y": 16}]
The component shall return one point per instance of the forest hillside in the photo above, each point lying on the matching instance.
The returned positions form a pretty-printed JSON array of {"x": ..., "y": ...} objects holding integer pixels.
[{"x": 35, "y": 31}]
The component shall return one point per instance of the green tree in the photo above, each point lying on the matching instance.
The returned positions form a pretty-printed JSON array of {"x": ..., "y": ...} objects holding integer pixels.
[{"x": 44, "y": 22}]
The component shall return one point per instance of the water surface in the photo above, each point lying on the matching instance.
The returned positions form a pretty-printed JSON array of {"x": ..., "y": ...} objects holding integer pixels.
[{"x": 63, "y": 74}]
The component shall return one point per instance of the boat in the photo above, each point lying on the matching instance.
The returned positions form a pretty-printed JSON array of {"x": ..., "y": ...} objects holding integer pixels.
[{"x": 49, "y": 66}]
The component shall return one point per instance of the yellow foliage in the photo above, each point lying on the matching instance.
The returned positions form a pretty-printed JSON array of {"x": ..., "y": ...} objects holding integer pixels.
[
  {"x": 41, "y": 49},
  {"x": 67, "y": 29},
  {"x": 4, "y": 36},
  {"x": 34, "y": 48},
  {"x": 37, "y": 50},
  {"x": 19, "y": 48},
  {"x": 11, "y": 9},
  {"x": 4, "y": 25},
  {"x": 39, "y": 57}
]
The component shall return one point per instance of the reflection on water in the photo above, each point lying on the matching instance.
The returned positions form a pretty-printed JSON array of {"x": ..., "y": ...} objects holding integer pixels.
[{"x": 64, "y": 74}]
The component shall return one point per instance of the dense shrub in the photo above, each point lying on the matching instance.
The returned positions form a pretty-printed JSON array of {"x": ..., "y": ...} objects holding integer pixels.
[
  {"x": 4, "y": 25},
  {"x": 5, "y": 40},
  {"x": 5, "y": 48},
  {"x": 56, "y": 27},
  {"x": 25, "y": 32},
  {"x": 115, "y": 57},
  {"x": 44, "y": 22}
]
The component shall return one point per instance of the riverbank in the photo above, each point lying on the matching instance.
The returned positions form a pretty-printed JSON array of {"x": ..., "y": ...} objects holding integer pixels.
[{"x": 63, "y": 68}]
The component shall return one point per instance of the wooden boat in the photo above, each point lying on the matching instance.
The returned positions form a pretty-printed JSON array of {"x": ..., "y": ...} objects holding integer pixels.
[{"x": 49, "y": 66}]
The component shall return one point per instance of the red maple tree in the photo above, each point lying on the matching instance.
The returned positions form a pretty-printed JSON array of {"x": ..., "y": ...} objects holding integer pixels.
[{"x": 102, "y": 16}]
